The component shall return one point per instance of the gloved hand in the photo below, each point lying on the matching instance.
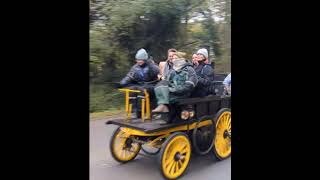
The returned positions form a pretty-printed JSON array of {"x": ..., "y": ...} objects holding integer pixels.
[
  {"x": 171, "y": 89},
  {"x": 117, "y": 85},
  {"x": 229, "y": 91},
  {"x": 141, "y": 83}
]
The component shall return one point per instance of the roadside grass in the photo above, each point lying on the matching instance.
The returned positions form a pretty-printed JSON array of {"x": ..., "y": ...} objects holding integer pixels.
[{"x": 107, "y": 114}]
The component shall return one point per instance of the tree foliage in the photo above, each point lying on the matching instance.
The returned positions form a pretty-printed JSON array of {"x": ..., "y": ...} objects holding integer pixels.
[{"x": 118, "y": 28}]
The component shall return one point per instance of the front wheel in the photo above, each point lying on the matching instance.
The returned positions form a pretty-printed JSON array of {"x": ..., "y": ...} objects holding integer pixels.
[
  {"x": 175, "y": 155},
  {"x": 123, "y": 149}
]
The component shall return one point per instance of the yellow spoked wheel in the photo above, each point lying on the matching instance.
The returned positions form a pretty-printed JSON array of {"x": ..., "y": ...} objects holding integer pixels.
[
  {"x": 123, "y": 149},
  {"x": 175, "y": 155},
  {"x": 222, "y": 143}
]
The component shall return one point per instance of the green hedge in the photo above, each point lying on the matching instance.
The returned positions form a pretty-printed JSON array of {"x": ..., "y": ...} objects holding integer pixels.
[{"x": 103, "y": 97}]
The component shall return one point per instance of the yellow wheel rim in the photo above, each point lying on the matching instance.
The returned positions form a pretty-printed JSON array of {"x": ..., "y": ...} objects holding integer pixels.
[
  {"x": 122, "y": 150},
  {"x": 176, "y": 157},
  {"x": 223, "y": 135}
]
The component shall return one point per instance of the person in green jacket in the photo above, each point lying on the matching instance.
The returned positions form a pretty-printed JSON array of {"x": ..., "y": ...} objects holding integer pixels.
[{"x": 178, "y": 84}]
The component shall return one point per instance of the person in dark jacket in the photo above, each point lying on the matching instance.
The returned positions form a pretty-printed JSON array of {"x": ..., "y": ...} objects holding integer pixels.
[
  {"x": 143, "y": 75},
  {"x": 143, "y": 71},
  {"x": 178, "y": 84},
  {"x": 205, "y": 75}
]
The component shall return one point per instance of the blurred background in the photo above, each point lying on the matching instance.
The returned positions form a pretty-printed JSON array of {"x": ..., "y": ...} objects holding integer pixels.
[{"x": 118, "y": 28}]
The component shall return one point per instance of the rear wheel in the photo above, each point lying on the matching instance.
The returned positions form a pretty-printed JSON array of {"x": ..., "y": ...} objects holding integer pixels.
[
  {"x": 175, "y": 155},
  {"x": 203, "y": 137},
  {"x": 222, "y": 142},
  {"x": 123, "y": 149}
]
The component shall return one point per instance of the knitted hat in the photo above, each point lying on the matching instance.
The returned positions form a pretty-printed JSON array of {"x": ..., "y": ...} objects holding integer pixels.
[
  {"x": 142, "y": 54},
  {"x": 204, "y": 52}
]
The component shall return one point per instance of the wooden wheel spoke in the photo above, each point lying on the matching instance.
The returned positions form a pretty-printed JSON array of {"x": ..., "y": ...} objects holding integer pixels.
[
  {"x": 125, "y": 153},
  {"x": 168, "y": 163},
  {"x": 183, "y": 150},
  {"x": 121, "y": 153},
  {"x": 177, "y": 168},
  {"x": 180, "y": 163},
  {"x": 171, "y": 171}
]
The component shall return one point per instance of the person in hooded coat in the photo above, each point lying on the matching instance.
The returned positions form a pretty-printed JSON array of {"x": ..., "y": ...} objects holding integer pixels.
[{"x": 178, "y": 84}]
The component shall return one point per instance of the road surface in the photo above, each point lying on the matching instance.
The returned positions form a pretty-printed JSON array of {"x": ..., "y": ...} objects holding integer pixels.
[{"x": 103, "y": 167}]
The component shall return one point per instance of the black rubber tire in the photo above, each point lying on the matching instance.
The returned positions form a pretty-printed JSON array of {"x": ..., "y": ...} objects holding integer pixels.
[
  {"x": 197, "y": 150},
  {"x": 215, "y": 120},
  {"x": 164, "y": 146},
  {"x": 114, "y": 134}
]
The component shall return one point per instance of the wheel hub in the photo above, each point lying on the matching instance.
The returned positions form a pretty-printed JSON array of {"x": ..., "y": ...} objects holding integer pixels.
[
  {"x": 128, "y": 143},
  {"x": 177, "y": 156},
  {"x": 226, "y": 134}
]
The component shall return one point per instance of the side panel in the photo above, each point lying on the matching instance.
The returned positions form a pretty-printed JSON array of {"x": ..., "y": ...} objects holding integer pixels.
[
  {"x": 202, "y": 109},
  {"x": 214, "y": 107},
  {"x": 226, "y": 102}
]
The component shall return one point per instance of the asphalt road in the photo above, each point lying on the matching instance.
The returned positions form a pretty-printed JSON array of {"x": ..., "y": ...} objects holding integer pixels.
[{"x": 103, "y": 167}]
